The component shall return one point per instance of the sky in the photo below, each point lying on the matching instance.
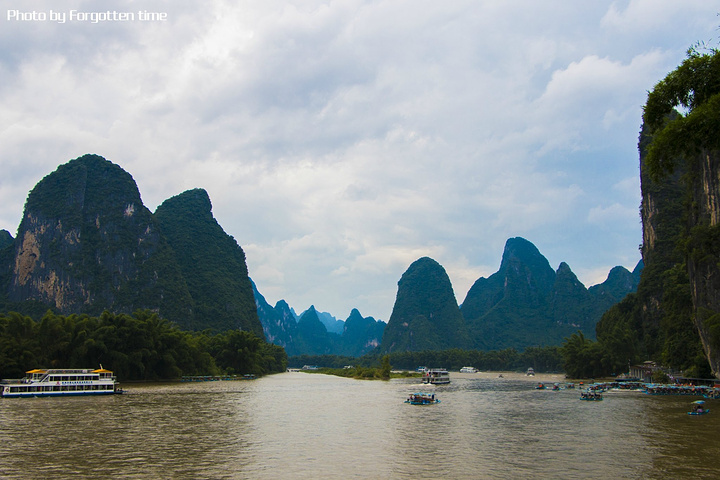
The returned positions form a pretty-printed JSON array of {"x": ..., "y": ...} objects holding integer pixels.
[{"x": 340, "y": 141}]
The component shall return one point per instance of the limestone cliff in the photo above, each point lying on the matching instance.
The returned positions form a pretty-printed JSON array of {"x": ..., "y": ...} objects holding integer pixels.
[
  {"x": 688, "y": 144},
  {"x": 703, "y": 260},
  {"x": 87, "y": 243}
]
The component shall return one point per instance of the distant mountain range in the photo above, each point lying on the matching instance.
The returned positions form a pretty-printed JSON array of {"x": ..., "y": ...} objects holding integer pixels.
[
  {"x": 309, "y": 334},
  {"x": 525, "y": 303},
  {"x": 87, "y": 244}
]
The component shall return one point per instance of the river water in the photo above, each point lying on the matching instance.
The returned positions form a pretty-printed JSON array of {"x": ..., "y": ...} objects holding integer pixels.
[{"x": 310, "y": 426}]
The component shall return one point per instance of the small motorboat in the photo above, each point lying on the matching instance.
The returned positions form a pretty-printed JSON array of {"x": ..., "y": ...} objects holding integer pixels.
[
  {"x": 591, "y": 396},
  {"x": 698, "y": 408},
  {"x": 422, "y": 399}
]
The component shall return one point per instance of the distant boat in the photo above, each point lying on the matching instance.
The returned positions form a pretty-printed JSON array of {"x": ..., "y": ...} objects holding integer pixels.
[
  {"x": 591, "y": 396},
  {"x": 530, "y": 372},
  {"x": 698, "y": 408},
  {"x": 422, "y": 399},
  {"x": 468, "y": 370},
  {"x": 436, "y": 376}
]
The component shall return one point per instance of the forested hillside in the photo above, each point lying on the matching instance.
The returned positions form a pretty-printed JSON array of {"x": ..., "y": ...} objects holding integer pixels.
[
  {"x": 674, "y": 319},
  {"x": 212, "y": 263}
]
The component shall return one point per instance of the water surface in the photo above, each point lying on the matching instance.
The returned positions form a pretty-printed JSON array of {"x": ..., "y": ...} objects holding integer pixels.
[{"x": 308, "y": 426}]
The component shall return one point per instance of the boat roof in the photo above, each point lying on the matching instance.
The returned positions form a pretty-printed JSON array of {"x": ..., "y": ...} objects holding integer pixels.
[
  {"x": 102, "y": 370},
  {"x": 36, "y": 370}
]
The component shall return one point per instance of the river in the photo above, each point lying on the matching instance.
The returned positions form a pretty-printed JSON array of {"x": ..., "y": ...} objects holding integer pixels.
[{"x": 310, "y": 426}]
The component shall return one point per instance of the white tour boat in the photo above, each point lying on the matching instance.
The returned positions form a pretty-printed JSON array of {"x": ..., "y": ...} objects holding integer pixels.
[
  {"x": 468, "y": 370},
  {"x": 436, "y": 376},
  {"x": 61, "y": 382}
]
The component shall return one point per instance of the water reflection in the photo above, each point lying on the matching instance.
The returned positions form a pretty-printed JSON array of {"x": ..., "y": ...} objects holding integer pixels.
[{"x": 300, "y": 426}]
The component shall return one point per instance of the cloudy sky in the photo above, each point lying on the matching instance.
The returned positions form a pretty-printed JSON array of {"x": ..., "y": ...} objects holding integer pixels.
[{"x": 340, "y": 141}]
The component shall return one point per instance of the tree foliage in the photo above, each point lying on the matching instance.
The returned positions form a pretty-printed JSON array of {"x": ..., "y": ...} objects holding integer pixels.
[
  {"x": 142, "y": 346},
  {"x": 693, "y": 87}
]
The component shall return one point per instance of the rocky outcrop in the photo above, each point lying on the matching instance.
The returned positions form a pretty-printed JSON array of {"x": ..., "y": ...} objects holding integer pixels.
[
  {"x": 526, "y": 303},
  {"x": 425, "y": 315},
  {"x": 279, "y": 324},
  {"x": 703, "y": 260},
  {"x": 360, "y": 334},
  {"x": 86, "y": 243},
  {"x": 6, "y": 239}
]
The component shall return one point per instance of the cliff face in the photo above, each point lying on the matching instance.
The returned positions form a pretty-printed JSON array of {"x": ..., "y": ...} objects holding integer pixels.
[
  {"x": 691, "y": 141},
  {"x": 703, "y": 260},
  {"x": 86, "y": 243},
  {"x": 657, "y": 322},
  {"x": 278, "y": 323}
]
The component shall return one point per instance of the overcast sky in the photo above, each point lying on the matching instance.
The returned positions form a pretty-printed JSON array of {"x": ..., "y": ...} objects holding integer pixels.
[{"x": 340, "y": 141}]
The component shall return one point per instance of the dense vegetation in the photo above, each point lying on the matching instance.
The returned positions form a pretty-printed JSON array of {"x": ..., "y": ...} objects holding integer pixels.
[
  {"x": 212, "y": 263},
  {"x": 545, "y": 359},
  {"x": 680, "y": 246},
  {"x": 143, "y": 346},
  {"x": 381, "y": 372}
]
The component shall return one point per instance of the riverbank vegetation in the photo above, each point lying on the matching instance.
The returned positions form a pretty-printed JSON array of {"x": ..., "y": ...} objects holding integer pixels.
[
  {"x": 541, "y": 359},
  {"x": 381, "y": 372},
  {"x": 142, "y": 346}
]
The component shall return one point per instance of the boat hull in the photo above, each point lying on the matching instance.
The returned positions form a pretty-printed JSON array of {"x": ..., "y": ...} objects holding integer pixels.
[
  {"x": 422, "y": 403},
  {"x": 56, "y": 394}
]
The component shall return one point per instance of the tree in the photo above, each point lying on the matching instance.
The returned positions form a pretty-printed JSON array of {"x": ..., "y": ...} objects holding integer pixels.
[
  {"x": 695, "y": 87},
  {"x": 385, "y": 367}
]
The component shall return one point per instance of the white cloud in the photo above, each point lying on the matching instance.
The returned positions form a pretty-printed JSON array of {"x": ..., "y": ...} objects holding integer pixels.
[{"x": 340, "y": 141}]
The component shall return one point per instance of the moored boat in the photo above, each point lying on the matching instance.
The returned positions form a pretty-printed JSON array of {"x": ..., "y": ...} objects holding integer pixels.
[
  {"x": 422, "y": 399},
  {"x": 61, "y": 382},
  {"x": 530, "y": 372},
  {"x": 436, "y": 376}
]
